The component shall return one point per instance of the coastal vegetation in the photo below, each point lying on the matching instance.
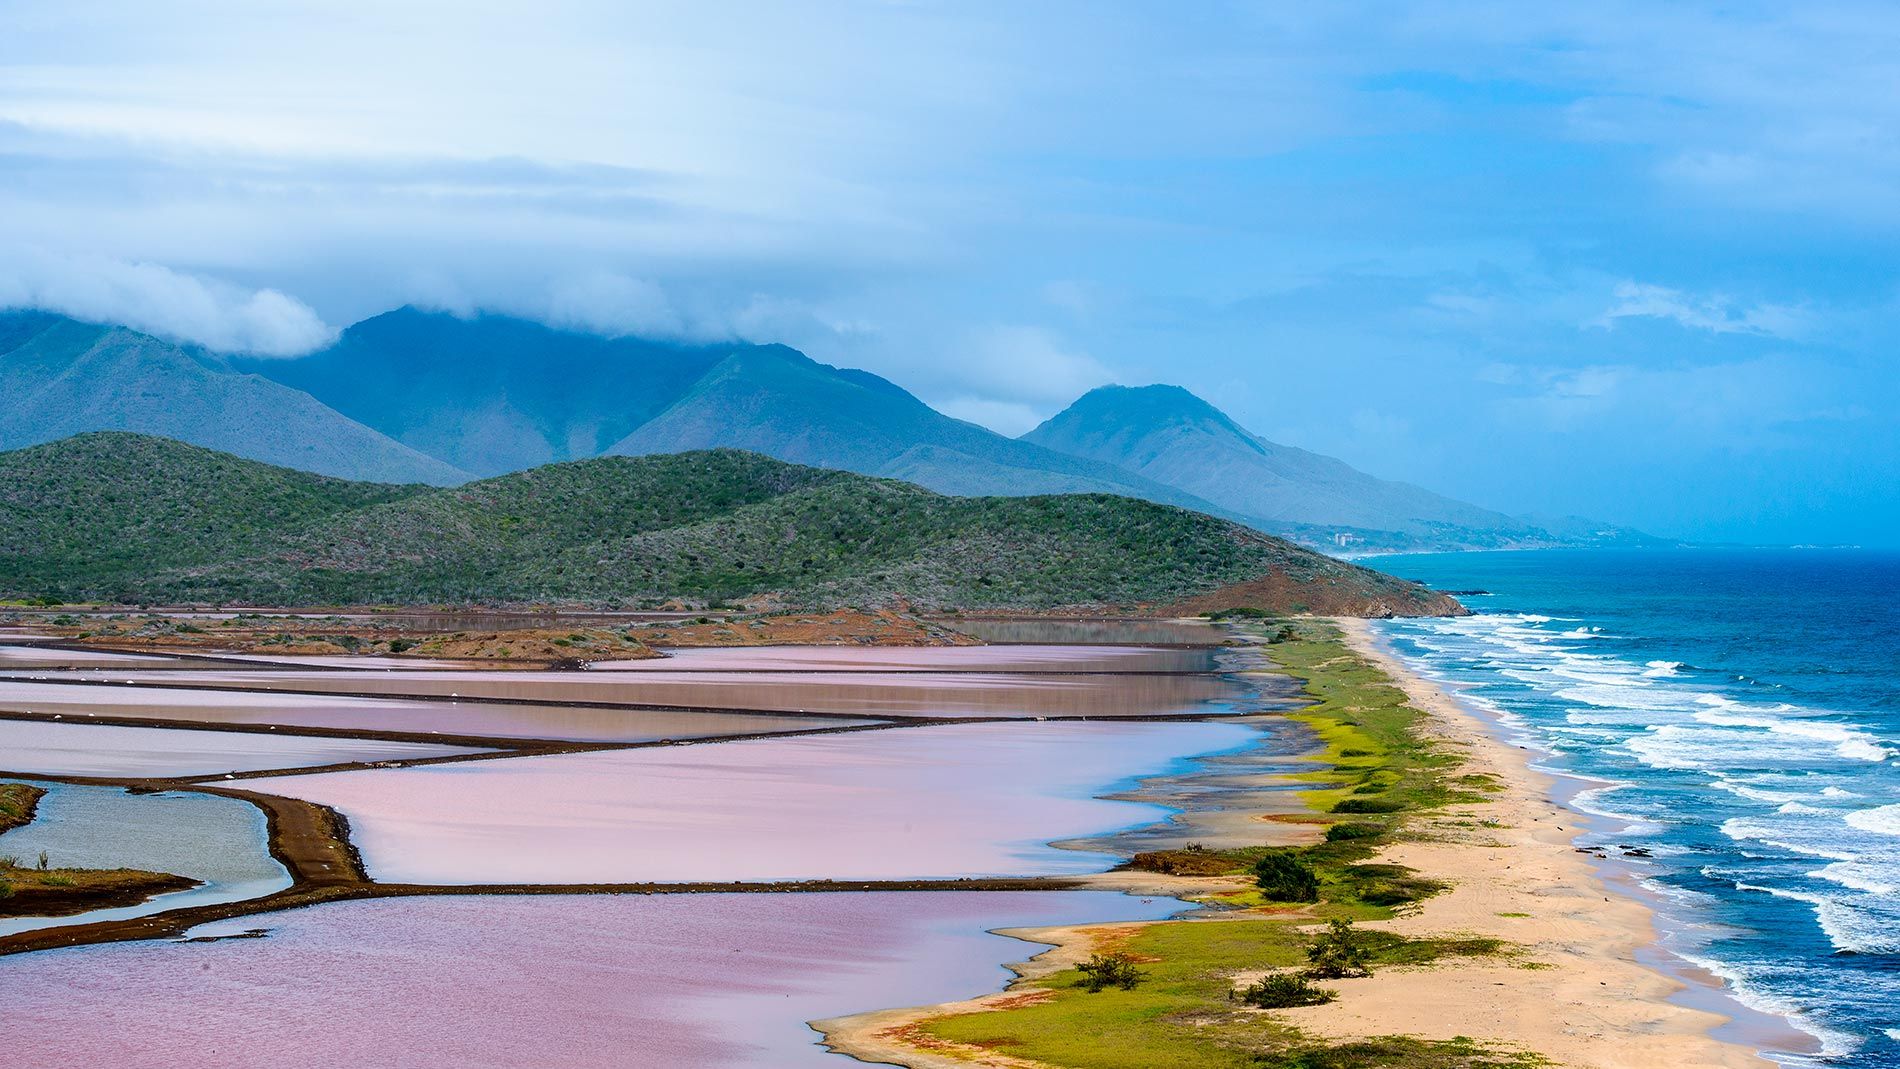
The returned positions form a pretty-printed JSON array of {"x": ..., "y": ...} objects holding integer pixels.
[
  {"x": 1212, "y": 983},
  {"x": 43, "y": 891},
  {"x": 124, "y": 518},
  {"x": 18, "y": 801}
]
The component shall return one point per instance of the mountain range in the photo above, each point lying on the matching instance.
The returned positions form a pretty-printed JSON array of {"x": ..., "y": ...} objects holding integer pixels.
[
  {"x": 133, "y": 518},
  {"x": 429, "y": 397}
]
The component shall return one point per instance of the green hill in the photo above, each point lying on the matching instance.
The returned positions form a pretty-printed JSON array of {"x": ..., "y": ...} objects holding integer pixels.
[{"x": 129, "y": 518}]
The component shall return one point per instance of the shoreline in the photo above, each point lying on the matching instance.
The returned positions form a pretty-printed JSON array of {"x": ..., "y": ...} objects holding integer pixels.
[
  {"x": 1581, "y": 987},
  {"x": 1702, "y": 986},
  {"x": 1602, "y": 994}
]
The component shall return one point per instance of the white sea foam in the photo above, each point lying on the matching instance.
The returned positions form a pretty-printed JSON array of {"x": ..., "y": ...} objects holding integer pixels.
[
  {"x": 1663, "y": 669},
  {"x": 1743, "y": 981},
  {"x": 1846, "y": 740},
  {"x": 1882, "y": 820},
  {"x": 1858, "y": 875},
  {"x": 1847, "y": 926},
  {"x": 1741, "y": 828},
  {"x": 1755, "y": 793}
]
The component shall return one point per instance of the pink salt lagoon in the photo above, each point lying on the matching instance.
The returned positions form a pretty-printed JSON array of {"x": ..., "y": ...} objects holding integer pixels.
[
  {"x": 37, "y": 747},
  {"x": 898, "y": 803},
  {"x": 659, "y": 982},
  {"x": 340, "y": 712},
  {"x": 18, "y": 657},
  {"x": 861, "y": 693},
  {"x": 922, "y": 658}
]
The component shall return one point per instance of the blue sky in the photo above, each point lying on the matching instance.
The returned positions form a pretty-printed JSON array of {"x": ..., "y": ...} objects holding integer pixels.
[{"x": 1631, "y": 261}]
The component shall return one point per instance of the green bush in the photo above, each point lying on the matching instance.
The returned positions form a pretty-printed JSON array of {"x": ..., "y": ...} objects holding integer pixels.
[
  {"x": 1347, "y": 830},
  {"x": 1368, "y": 805},
  {"x": 1282, "y": 990},
  {"x": 1115, "y": 969},
  {"x": 1337, "y": 955},
  {"x": 1283, "y": 877}
]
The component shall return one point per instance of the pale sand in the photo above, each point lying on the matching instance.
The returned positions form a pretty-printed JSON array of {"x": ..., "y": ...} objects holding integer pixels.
[
  {"x": 1591, "y": 1005},
  {"x": 1596, "y": 1006}
]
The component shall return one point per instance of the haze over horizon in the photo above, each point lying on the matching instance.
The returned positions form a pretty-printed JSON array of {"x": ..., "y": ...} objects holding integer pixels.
[{"x": 1545, "y": 261}]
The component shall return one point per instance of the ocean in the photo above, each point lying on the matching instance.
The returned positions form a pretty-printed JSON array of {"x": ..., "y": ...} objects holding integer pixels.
[{"x": 1735, "y": 716}]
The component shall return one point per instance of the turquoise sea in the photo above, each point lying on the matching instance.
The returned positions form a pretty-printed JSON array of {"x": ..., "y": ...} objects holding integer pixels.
[{"x": 1734, "y": 715}]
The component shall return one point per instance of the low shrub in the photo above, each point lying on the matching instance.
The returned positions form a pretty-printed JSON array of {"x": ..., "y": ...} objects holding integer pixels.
[
  {"x": 1189, "y": 862},
  {"x": 1337, "y": 955},
  {"x": 1114, "y": 969},
  {"x": 1283, "y": 877},
  {"x": 1368, "y": 805},
  {"x": 1347, "y": 830},
  {"x": 1281, "y": 990}
]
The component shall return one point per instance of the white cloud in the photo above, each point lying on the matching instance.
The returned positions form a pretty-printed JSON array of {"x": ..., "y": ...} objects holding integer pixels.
[
  {"x": 164, "y": 302},
  {"x": 1004, "y": 417},
  {"x": 1024, "y": 363},
  {"x": 1714, "y": 313},
  {"x": 614, "y": 305}
]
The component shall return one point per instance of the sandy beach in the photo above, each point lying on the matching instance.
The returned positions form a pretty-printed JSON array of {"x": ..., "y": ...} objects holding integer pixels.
[
  {"x": 1574, "y": 993},
  {"x": 1594, "y": 1004}
]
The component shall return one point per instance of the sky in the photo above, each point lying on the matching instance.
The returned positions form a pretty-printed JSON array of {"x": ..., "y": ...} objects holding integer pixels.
[{"x": 1631, "y": 261}]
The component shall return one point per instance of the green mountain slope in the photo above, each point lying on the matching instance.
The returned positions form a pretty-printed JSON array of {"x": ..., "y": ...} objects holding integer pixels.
[
  {"x": 1171, "y": 436},
  {"x": 493, "y": 394},
  {"x": 709, "y": 526},
  {"x": 110, "y": 504},
  {"x": 774, "y": 400},
  {"x": 60, "y": 377}
]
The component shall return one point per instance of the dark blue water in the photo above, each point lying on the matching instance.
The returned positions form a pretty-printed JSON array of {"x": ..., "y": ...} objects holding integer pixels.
[{"x": 1742, "y": 709}]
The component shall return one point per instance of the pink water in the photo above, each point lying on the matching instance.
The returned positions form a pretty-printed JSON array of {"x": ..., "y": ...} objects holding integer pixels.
[
  {"x": 564, "y": 723},
  {"x": 103, "y": 750},
  {"x": 946, "y": 694},
  {"x": 945, "y": 801},
  {"x": 654, "y": 982},
  {"x": 18, "y": 657},
  {"x": 916, "y": 658}
]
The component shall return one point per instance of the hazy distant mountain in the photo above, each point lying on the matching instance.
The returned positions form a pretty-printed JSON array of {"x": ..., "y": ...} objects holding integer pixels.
[
  {"x": 60, "y": 377},
  {"x": 131, "y": 518},
  {"x": 777, "y": 401},
  {"x": 1173, "y": 437},
  {"x": 414, "y": 396},
  {"x": 493, "y": 394}
]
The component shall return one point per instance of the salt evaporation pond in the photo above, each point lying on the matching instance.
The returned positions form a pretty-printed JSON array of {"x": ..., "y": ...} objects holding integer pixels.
[
  {"x": 897, "y": 803},
  {"x": 688, "y": 981},
  {"x": 48, "y": 749},
  {"x": 935, "y": 694},
  {"x": 22, "y": 657},
  {"x": 336, "y": 712},
  {"x": 922, "y": 658},
  {"x": 1006, "y": 631},
  {"x": 220, "y": 842}
]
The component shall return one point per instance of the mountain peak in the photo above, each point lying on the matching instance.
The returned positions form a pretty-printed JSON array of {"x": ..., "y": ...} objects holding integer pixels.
[
  {"x": 1139, "y": 407},
  {"x": 1173, "y": 437}
]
